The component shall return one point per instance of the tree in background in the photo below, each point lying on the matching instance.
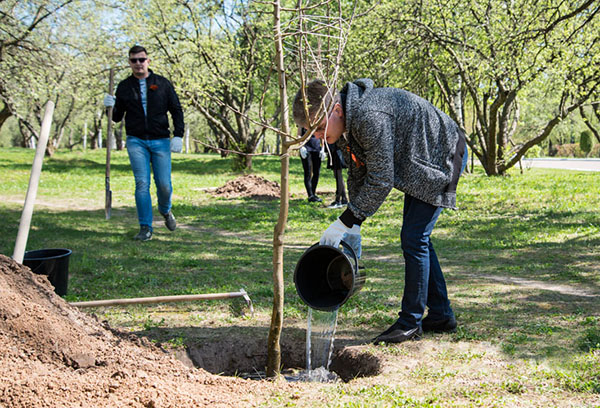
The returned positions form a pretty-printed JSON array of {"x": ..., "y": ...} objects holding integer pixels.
[
  {"x": 219, "y": 56},
  {"x": 592, "y": 124},
  {"x": 482, "y": 56},
  {"x": 40, "y": 63}
]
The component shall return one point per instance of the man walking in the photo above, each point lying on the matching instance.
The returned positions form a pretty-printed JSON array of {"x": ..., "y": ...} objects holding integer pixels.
[
  {"x": 392, "y": 138},
  {"x": 144, "y": 99}
]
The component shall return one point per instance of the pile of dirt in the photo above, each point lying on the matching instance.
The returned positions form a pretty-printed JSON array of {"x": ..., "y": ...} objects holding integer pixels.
[
  {"x": 249, "y": 185},
  {"x": 53, "y": 355}
]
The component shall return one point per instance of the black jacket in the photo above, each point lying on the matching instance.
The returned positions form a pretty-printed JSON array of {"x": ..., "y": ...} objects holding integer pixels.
[{"x": 160, "y": 97}]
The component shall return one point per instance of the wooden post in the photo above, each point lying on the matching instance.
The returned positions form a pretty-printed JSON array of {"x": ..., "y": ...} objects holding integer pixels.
[
  {"x": 34, "y": 180},
  {"x": 187, "y": 139},
  {"x": 109, "y": 138},
  {"x": 85, "y": 135}
]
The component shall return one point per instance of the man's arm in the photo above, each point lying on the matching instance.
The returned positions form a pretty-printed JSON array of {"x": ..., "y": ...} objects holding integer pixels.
[
  {"x": 374, "y": 132},
  {"x": 119, "y": 108},
  {"x": 176, "y": 112}
]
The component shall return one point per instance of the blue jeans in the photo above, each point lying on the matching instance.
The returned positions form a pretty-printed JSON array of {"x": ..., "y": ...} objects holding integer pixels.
[
  {"x": 142, "y": 155},
  {"x": 424, "y": 283}
]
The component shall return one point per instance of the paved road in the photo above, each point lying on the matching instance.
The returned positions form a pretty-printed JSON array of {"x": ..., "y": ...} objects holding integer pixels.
[{"x": 561, "y": 163}]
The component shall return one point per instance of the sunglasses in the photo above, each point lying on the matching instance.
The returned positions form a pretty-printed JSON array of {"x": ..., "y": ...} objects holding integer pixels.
[{"x": 136, "y": 60}]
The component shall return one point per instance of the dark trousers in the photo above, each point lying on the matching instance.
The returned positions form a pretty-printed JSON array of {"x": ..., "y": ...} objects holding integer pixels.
[
  {"x": 312, "y": 167},
  {"x": 424, "y": 283},
  {"x": 340, "y": 188}
]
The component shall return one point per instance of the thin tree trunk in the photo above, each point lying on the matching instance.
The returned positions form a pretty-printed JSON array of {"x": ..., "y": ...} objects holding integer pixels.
[
  {"x": 5, "y": 113},
  {"x": 273, "y": 345}
]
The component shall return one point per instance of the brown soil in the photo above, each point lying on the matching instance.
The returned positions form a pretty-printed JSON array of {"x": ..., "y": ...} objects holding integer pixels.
[
  {"x": 53, "y": 355},
  {"x": 249, "y": 186}
]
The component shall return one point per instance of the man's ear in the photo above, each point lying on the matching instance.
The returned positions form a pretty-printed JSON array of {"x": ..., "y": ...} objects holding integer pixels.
[{"x": 338, "y": 109}]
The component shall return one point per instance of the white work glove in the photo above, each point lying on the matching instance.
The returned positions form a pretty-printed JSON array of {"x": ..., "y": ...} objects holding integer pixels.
[
  {"x": 335, "y": 232},
  {"x": 176, "y": 144},
  {"x": 323, "y": 155},
  {"x": 109, "y": 101},
  {"x": 303, "y": 152}
]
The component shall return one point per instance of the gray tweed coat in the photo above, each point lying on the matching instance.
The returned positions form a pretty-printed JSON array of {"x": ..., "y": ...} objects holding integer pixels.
[{"x": 397, "y": 139}]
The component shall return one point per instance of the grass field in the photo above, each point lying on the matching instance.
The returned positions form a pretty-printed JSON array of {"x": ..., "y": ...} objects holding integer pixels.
[{"x": 521, "y": 258}]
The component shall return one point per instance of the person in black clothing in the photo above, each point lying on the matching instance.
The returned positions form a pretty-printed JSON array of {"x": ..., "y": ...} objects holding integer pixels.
[
  {"x": 337, "y": 163},
  {"x": 144, "y": 99},
  {"x": 310, "y": 154}
]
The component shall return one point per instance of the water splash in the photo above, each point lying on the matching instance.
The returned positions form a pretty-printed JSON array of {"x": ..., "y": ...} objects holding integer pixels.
[{"x": 320, "y": 335}]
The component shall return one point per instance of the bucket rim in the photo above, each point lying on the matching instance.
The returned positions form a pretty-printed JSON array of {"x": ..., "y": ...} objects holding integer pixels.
[
  {"x": 65, "y": 252},
  {"x": 308, "y": 252}
]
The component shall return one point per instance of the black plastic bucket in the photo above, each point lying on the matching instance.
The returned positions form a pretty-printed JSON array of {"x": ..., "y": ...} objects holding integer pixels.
[
  {"x": 326, "y": 277},
  {"x": 53, "y": 263}
]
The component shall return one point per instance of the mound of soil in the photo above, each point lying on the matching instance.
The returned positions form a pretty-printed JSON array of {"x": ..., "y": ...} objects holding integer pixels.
[
  {"x": 249, "y": 185},
  {"x": 53, "y": 355}
]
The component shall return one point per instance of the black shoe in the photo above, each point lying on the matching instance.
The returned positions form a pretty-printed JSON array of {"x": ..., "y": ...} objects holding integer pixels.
[
  {"x": 170, "y": 221},
  {"x": 335, "y": 204},
  {"x": 398, "y": 334},
  {"x": 145, "y": 234},
  {"x": 439, "y": 326},
  {"x": 344, "y": 203},
  {"x": 314, "y": 199}
]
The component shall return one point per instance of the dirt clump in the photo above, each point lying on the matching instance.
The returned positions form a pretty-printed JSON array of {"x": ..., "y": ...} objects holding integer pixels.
[
  {"x": 249, "y": 185},
  {"x": 53, "y": 355}
]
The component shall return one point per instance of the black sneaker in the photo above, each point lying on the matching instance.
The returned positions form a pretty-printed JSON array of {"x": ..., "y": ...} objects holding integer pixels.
[
  {"x": 145, "y": 234},
  {"x": 170, "y": 221},
  {"x": 314, "y": 199},
  {"x": 398, "y": 334},
  {"x": 335, "y": 204},
  {"x": 439, "y": 326}
]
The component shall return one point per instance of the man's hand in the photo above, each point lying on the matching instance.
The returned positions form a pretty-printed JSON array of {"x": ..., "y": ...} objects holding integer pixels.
[
  {"x": 335, "y": 232},
  {"x": 176, "y": 144},
  {"x": 109, "y": 101},
  {"x": 303, "y": 152}
]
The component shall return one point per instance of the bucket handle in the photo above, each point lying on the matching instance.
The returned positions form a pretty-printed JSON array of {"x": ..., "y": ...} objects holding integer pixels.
[{"x": 345, "y": 245}]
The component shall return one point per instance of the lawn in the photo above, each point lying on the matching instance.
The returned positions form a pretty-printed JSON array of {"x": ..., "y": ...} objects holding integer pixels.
[{"x": 520, "y": 255}]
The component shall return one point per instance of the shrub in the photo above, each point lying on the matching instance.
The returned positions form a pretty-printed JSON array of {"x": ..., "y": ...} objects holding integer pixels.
[
  {"x": 569, "y": 150},
  {"x": 586, "y": 142},
  {"x": 533, "y": 152}
]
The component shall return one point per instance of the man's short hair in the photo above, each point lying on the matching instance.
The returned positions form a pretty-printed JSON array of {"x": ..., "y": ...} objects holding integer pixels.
[
  {"x": 136, "y": 49},
  {"x": 319, "y": 98}
]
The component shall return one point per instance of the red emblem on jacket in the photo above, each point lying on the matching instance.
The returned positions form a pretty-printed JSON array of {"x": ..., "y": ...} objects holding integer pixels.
[{"x": 354, "y": 158}]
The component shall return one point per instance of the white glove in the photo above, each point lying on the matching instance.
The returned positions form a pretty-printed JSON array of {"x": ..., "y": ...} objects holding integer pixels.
[
  {"x": 176, "y": 144},
  {"x": 335, "y": 232},
  {"x": 303, "y": 152},
  {"x": 109, "y": 100},
  {"x": 323, "y": 155}
]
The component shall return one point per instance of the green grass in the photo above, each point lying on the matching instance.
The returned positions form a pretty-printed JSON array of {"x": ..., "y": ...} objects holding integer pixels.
[{"x": 520, "y": 256}]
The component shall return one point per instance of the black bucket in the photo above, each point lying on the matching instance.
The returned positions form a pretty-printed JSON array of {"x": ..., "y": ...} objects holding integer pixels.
[
  {"x": 53, "y": 263},
  {"x": 326, "y": 277}
]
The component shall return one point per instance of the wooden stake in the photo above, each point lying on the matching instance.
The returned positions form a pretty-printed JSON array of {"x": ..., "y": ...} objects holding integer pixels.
[
  {"x": 109, "y": 114},
  {"x": 34, "y": 180}
]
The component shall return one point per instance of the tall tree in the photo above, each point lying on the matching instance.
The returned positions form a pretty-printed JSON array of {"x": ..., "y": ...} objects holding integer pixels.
[
  {"x": 220, "y": 57},
  {"x": 482, "y": 56},
  {"x": 40, "y": 62}
]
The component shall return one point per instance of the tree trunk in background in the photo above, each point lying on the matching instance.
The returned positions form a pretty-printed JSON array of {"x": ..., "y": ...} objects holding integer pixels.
[{"x": 4, "y": 115}]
